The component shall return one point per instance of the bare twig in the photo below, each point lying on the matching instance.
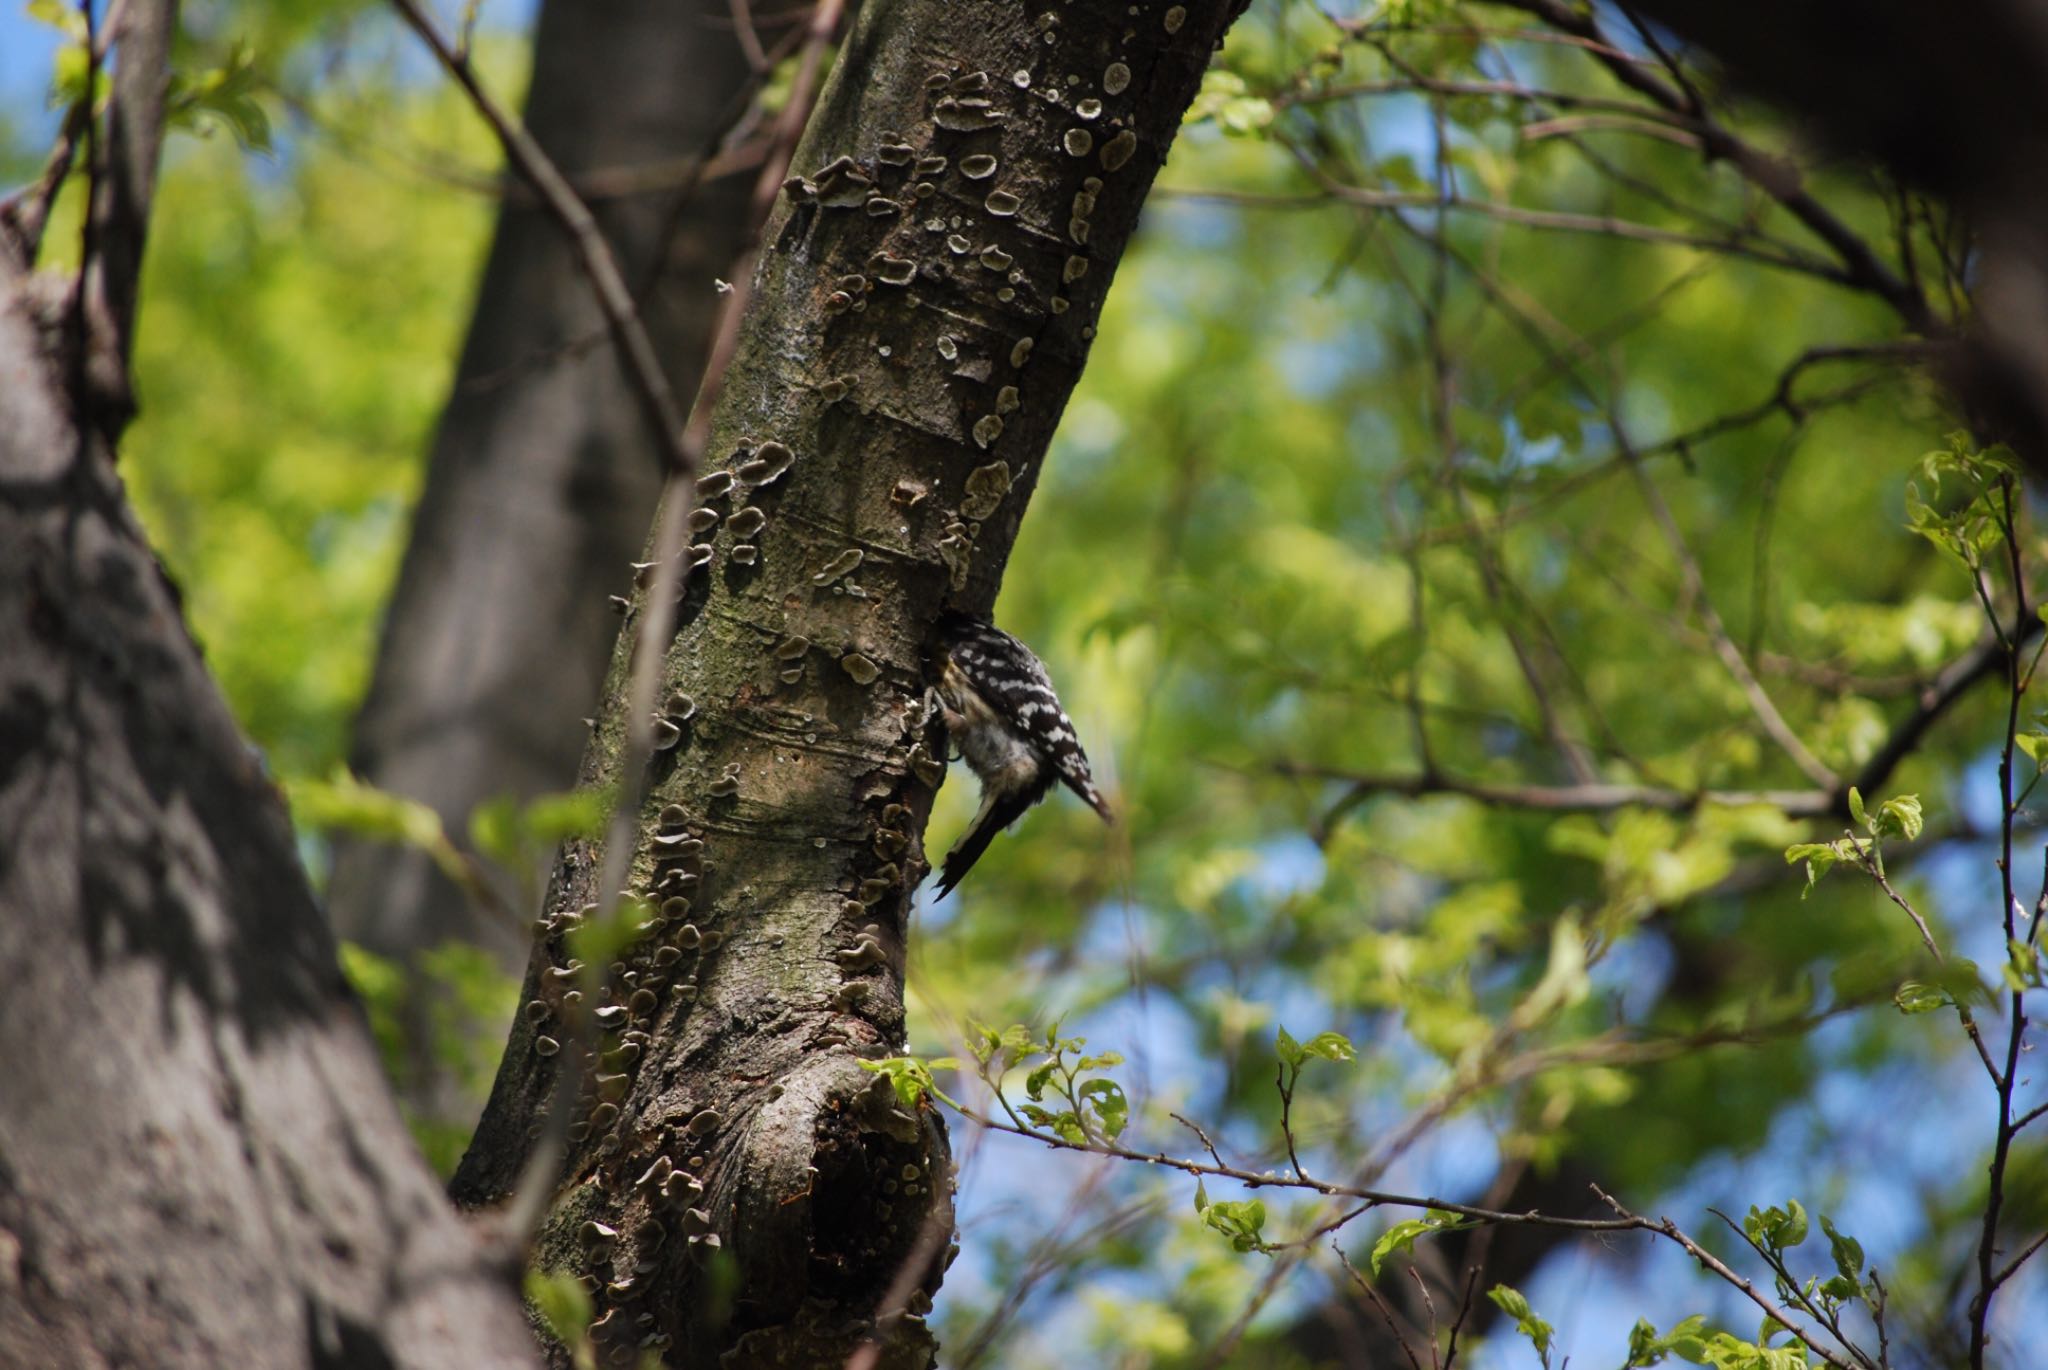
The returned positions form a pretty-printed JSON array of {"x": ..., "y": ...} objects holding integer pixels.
[
  {"x": 1380, "y": 1306},
  {"x": 1936, "y": 698},
  {"x": 1989, "y": 1278},
  {"x": 683, "y": 443},
  {"x": 1861, "y": 267},
  {"x": 1464, "y": 1309},
  {"x": 594, "y": 255}
]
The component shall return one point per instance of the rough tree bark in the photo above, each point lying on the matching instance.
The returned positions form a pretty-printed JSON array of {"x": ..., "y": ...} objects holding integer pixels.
[
  {"x": 542, "y": 470},
  {"x": 927, "y": 295},
  {"x": 200, "y": 1163}
]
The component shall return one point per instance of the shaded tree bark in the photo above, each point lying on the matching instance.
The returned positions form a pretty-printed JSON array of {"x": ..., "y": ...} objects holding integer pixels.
[
  {"x": 926, "y": 298},
  {"x": 200, "y": 1163},
  {"x": 1955, "y": 103},
  {"x": 542, "y": 472}
]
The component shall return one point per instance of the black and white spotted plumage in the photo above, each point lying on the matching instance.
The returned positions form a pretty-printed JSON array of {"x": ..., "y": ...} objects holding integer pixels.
[{"x": 1002, "y": 713}]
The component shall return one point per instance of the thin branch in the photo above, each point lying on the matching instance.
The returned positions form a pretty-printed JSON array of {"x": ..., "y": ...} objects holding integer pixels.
[
  {"x": 1624, "y": 1221},
  {"x": 1458, "y": 1323},
  {"x": 1695, "y": 582},
  {"x": 1590, "y": 798},
  {"x": 1714, "y": 1263},
  {"x": 1936, "y": 698},
  {"x": 1876, "y": 873},
  {"x": 1380, "y": 1306},
  {"x": 26, "y": 213},
  {"x": 142, "y": 33},
  {"x": 683, "y": 443},
  {"x": 2012, "y": 1267},
  {"x": 1604, "y": 225},
  {"x": 594, "y": 255},
  {"x": 1988, "y": 1279},
  {"x": 1776, "y": 177}
]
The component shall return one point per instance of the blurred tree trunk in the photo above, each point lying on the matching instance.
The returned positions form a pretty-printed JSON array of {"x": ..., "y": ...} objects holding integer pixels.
[
  {"x": 200, "y": 1162},
  {"x": 926, "y": 298},
  {"x": 1953, "y": 101},
  {"x": 542, "y": 479}
]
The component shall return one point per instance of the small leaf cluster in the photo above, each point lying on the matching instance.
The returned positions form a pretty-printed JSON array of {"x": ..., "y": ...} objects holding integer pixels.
[
  {"x": 1898, "y": 817},
  {"x": 1226, "y": 99},
  {"x": 911, "y": 1077},
  {"x": 1691, "y": 1341},
  {"x": 1510, "y": 1301},
  {"x": 1065, "y": 1093},
  {"x": 221, "y": 97},
  {"x": 1774, "y": 1231},
  {"x": 1077, "y": 1110},
  {"x": 1330, "y": 1046},
  {"x": 1974, "y": 523},
  {"x": 1241, "y": 1221}
]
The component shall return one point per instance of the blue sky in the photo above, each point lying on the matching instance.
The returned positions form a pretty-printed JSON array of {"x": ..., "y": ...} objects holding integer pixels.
[{"x": 26, "y": 48}]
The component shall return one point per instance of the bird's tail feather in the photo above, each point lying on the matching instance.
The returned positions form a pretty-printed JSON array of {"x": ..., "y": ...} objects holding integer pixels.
[
  {"x": 996, "y": 814},
  {"x": 1084, "y": 786}
]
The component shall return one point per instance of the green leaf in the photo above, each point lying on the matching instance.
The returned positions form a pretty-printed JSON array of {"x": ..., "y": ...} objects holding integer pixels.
[
  {"x": 1793, "y": 1231},
  {"x": 517, "y": 836},
  {"x": 1856, "y": 808},
  {"x": 1898, "y": 816},
  {"x": 1228, "y": 101},
  {"x": 600, "y": 941},
  {"x": 1642, "y": 1345},
  {"x": 1564, "y": 980},
  {"x": 1105, "y": 1098},
  {"x": 1289, "y": 1049},
  {"x": 224, "y": 96},
  {"x": 346, "y": 803},
  {"x": 2035, "y": 745},
  {"x": 911, "y": 1078},
  {"x": 1040, "y": 1076},
  {"x": 1401, "y": 1236},
  {"x": 1820, "y": 858},
  {"x": 494, "y": 830},
  {"x": 2022, "y": 970},
  {"x": 555, "y": 818},
  {"x": 562, "y": 1302},
  {"x": 1776, "y": 1229},
  {"x": 986, "y": 1041},
  {"x": 1241, "y": 1220},
  {"x": 1331, "y": 1046},
  {"x": 1913, "y": 996},
  {"x": 1847, "y": 1251},
  {"x": 62, "y": 17},
  {"x": 1511, "y": 1302}
]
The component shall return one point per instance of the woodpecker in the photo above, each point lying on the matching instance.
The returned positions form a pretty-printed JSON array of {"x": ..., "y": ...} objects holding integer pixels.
[{"x": 1002, "y": 714}]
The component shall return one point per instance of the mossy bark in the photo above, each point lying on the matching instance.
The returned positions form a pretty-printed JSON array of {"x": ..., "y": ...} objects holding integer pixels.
[{"x": 926, "y": 298}]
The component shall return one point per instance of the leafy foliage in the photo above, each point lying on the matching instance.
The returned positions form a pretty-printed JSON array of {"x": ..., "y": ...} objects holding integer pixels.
[{"x": 1447, "y": 436}]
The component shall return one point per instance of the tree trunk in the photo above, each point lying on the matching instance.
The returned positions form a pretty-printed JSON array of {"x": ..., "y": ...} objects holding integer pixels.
[
  {"x": 926, "y": 298},
  {"x": 542, "y": 472},
  {"x": 200, "y": 1163}
]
